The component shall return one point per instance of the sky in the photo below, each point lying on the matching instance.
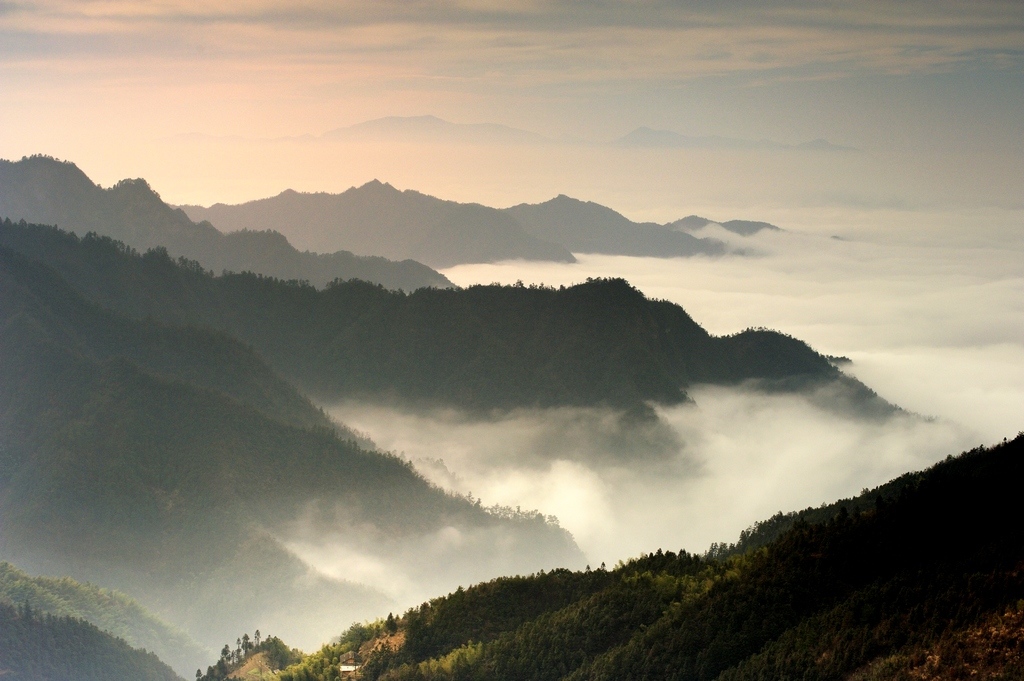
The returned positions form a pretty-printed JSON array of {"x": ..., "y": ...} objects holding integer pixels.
[{"x": 227, "y": 100}]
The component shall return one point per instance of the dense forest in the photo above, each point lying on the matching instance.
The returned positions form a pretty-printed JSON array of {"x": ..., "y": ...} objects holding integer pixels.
[
  {"x": 43, "y": 189},
  {"x": 111, "y": 611},
  {"x": 166, "y": 461},
  {"x": 255, "y": 658},
  {"x": 37, "y": 647},
  {"x": 918, "y": 579},
  {"x": 485, "y": 347}
]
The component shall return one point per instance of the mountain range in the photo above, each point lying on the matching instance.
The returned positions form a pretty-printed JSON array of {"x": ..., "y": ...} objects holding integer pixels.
[
  {"x": 42, "y": 189},
  {"x": 158, "y": 437},
  {"x": 378, "y": 218},
  {"x": 598, "y": 343},
  {"x": 168, "y": 461},
  {"x": 376, "y": 221}
]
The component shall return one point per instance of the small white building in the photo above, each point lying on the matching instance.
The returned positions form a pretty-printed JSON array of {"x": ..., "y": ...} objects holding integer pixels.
[{"x": 348, "y": 664}]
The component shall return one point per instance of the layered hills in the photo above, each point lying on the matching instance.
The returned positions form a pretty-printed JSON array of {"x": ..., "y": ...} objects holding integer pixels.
[
  {"x": 110, "y": 611},
  {"x": 381, "y": 220},
  {"x": 35, "y": 646},
  {"x": 42, "y": 189},
  {"x": 597, "y": 343},
  {"x": 170, "y": 462},
  {"x": 917, "y": 579}
]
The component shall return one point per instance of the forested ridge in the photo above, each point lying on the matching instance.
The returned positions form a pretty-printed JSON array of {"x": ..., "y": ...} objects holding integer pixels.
[
  {"x": 37, "y": 647},
  {"x": 921, "y": 578},
  {"x": 111, "y": 611},
  {"x": 600, "y": 342},
  {"x": 165, "y": 460}
]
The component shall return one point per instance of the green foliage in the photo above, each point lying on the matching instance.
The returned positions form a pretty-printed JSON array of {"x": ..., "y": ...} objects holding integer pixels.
[
  {"x": 271, "y": 650},
  {"x": 35, "y": 646},
  {"x": 111, "y": 611}
]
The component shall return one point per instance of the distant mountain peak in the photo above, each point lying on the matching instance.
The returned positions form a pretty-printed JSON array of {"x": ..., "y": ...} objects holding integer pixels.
[
  {"x": 44, "y": 190},
  {"x": 430, "y": 128},
  {"x": 692, "y": 223},
  {"x": 646, "y": 137},
  {"x": 376, "y": 184}
]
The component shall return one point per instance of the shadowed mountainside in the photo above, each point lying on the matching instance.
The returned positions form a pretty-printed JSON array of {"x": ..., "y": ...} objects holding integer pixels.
[
  {"x": 597, "y": 343},
  {"x": 36, "y": 647},
  {"x": 170, "y": 463},
  {"x": 111, "y": 611},
  {"x": 41, "y": 189}
]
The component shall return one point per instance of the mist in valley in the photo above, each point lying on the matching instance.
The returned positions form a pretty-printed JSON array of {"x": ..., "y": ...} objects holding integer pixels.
[{"x": 927, "y": 307}]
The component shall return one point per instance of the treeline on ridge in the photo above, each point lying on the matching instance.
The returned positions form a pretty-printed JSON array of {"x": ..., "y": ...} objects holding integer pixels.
[
  {"x": 600, "y": 342},
  {"x": 164, "y": 460},
  {"x": 35, "y": 646},
  {"x": 922, "y": 581}
]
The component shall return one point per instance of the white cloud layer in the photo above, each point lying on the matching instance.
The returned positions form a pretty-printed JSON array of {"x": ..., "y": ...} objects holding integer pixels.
[
  {"x": 737, "y": 457},
  {"x": 930, "y": 307}
]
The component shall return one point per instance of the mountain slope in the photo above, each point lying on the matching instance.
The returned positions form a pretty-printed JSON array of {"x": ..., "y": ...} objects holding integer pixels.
[
  {"x": 601, "y": 342},
  {"x": 38, "y": 648},
  {"x": 40, "y": 189},
  {"x": 588, "y": 227},
  {"x": 378, "y": 219},
  {"x": 110, "y": 611},
  {"x": 924, "y": 583},
  {"x": 131, "y": 464}
]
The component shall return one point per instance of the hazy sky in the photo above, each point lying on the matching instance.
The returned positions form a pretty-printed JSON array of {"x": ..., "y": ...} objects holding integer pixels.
[{"x": 931, "y": 92}]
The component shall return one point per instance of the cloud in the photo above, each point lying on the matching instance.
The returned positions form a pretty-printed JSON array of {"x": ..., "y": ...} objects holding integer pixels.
[
  {"x": 928, "y": 306},
  {"x": 737, "y": 456},
  {"x": 561, "y": 41}
]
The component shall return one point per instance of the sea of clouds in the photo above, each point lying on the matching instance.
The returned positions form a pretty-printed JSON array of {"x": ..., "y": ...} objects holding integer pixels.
[{"x": 929, "y": 308}]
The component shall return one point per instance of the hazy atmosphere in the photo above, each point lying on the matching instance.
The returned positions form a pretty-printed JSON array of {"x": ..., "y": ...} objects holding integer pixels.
[
  {"x": 918, "y": 102},
  {"x": 931, "y": 315},
  {"x": 314, "y": 311}
]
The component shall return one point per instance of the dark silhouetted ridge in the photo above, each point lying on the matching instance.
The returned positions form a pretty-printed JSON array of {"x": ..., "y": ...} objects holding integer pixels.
[{"x": 44, "y": 190}]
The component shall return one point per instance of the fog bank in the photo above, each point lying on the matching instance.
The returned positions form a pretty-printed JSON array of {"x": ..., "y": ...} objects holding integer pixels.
[{"x": 702, "y": 473}]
